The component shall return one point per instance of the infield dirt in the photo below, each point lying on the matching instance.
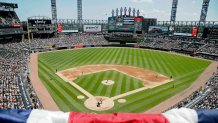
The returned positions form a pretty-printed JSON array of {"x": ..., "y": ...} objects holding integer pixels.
[{"x": 147, "y": 76}]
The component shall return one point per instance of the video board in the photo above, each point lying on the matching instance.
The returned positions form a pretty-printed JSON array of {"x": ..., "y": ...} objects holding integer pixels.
[
  {"x": 34, "y": 22},
  {"x": 8, "y": 6},
  {"x": 195, "y": 31},
  {"x": 211, "y": 33},
  {"x": 158, "y": 29},
  {"x": 125, "y": 24},
  {"x": 91, "y": 28}
]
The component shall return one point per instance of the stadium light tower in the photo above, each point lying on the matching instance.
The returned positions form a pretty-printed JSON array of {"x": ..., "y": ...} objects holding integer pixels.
[
  {"x": 117, "y": 12},
  {"x": 133, "y": 12},
  {"x": 138, "y": 13},
  {"x": 125, "y": 10},
  {"x": 79, "y": 11},
  {"x": 54, "y": 10},
  {"x": 129, "y": 11},
  {"x": 121, "y": 11},
  {"x": 112, "y": 12},
  {"x": 174, "y": 10},
  {"x": 204, "y": 10}
]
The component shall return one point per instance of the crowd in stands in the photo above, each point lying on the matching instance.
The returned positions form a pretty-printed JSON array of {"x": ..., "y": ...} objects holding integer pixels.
[
  {"x": 179, "y": 43},
  {"x": 70, "y": 40},
  {"x": 161, "y": 42},
  {"x": 211, "y": 100},
  {"x": 14, "y": 64},
  {"x": 188, "y": 99},
  {"x": 206, "y": 98},
  {"x": 8, "y": 18},
  {"x": 14, "y": 60},
  {"x": 210, "y": 48},
  {"x": 172, "y": 42}
]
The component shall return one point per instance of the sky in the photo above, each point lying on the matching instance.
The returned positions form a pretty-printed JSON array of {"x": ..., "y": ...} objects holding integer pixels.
[{"x": 188, "y": 10}]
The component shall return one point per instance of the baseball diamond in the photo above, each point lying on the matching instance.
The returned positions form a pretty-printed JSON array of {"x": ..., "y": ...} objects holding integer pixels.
[
  {"x": 72, "y": 73},
  {"x": 108, "y": 61}
]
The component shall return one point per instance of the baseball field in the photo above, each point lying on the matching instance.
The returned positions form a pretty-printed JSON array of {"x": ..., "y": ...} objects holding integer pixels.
[{"x": 105, "y": 80}]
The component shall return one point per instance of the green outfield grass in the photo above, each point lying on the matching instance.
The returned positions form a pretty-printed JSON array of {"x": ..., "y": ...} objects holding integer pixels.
[{"x": 183, "y": 69}]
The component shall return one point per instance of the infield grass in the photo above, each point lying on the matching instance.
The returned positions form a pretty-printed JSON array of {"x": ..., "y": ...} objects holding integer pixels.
[
  {"x": 92, "y": 81},
  {"x": 183, "y": 69}
]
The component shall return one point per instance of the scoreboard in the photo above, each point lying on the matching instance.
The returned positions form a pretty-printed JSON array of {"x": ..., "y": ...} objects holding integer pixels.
[
  {"x": 34, "y": 22},
  {"x": 211, "y": 33},
  {"x": 42, "y": 26},
  {"x": 125, "y": 24}
]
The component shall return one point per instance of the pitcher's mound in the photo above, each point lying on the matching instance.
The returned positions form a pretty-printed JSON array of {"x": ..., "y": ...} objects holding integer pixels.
[
  {"x": 99, "y": 103},
  {"x": 107, "y": 82}
]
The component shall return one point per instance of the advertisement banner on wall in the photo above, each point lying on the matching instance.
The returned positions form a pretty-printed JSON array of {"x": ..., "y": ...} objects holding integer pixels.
[
  {"x": 194, "y": 31},
  {"x": 92, "y": 28},
  {"x": 60, "y": 27},
  {"x": 211, "y": 32},
  {"x": 158, "y": 29},
  {"x": 78, "y": 46},
  {"x": 71, "y": 31}
]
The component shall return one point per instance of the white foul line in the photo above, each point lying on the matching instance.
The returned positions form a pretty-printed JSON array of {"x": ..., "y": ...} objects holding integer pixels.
[
  {"x": 81, "y": 90},
  {"x": 137, "y": 90}
]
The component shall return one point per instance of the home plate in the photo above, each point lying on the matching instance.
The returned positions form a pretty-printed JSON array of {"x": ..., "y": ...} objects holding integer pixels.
[{"x": 99, "y": 103}]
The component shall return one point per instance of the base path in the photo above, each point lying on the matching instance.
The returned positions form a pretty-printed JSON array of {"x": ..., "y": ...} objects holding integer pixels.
[
  {"x": 148, "y": 77},
  {"x": 42, "y": 93},
  {"x": 200, "y": 82},
  {"x": 81, "y": 90},
  {"x": 132, "y": 92}
]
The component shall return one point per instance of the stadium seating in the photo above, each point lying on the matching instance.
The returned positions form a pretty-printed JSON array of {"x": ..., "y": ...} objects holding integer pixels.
[
  {"x": 187, "y": 44},
  {"x": 210, "y": 48},
  {"x": 203, "y": 98},
  {"x": 70, "y": 40},
  {"x": 8, "y": 18},
  {"x": 14, "y": 63}
]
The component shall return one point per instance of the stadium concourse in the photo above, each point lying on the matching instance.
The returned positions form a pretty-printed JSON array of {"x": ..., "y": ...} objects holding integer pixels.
[{"x": 16, "y": 91}]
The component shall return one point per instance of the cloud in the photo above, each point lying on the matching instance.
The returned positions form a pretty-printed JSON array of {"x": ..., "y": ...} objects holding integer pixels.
[{"x": 142, "y": 1}]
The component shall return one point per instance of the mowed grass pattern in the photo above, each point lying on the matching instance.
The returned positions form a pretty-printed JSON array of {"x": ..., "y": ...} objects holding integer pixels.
[
  {"x": 92, "y": 81},
  {"x": 183, "y": 69}
]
